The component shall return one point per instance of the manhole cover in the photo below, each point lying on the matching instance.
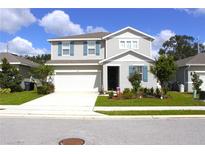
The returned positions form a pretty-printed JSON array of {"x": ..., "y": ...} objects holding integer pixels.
[{"x": 72, "y": 141}]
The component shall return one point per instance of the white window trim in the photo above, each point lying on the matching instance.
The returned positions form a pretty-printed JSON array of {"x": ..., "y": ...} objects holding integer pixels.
[
  {"x": 142, "y": 73},
  {"x": 91, "y": 47},
  {"x": 132, "y": 40},
  {"x": 63, "y": 47}
]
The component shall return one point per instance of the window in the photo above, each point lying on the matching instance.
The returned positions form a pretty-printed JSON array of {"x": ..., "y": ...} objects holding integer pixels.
[
  {"x": 122, "y": 44},
  {"x": 137, "y": 69},
  {"x": 91, "y": 47},
  {"x": 134, "y": 44},
  {"x": 66, "y": 48},
  {"x": 129, "y": 44}
]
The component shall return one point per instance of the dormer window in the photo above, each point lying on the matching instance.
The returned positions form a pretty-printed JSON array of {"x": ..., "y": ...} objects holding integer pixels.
[
  {"x": 129, "y": 44},
  {"x": 65, "y": 48},
  {"x": 91, "y": 47}
]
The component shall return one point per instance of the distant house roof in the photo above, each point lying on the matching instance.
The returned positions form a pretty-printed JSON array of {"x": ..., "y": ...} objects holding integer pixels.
[
  {"x": 97, "y": 35},
  {"x": 14, "y": 59},
  {"x": 198, "y": 59}
]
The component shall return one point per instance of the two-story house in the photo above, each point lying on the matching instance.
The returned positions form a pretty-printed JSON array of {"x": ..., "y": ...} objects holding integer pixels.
[{"x": 101, "y": 60}]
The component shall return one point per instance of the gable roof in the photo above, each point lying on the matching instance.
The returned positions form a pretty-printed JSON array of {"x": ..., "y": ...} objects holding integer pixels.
[
  {"x": 14, "y": 59},
  {"x": 198, "y": 59},
  {"x": 100, "y": 35},
  {"x": 107, "y": 59},
  {"x": 132, "y": 29},
  {"x": 96, "y": 35}
]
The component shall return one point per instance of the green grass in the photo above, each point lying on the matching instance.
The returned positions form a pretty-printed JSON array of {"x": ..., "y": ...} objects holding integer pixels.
[
  {"x": 18, "y": 97},
  {"x": 167, "y": 112},
  {"x": 176, "y": 99}
]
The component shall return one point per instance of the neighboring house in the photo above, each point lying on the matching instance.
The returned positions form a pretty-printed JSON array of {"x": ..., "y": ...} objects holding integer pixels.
[
  {"x": 189, "y": 65},
  {"x": 22, "y": 64},
  {"x": 101, "y": 61}
]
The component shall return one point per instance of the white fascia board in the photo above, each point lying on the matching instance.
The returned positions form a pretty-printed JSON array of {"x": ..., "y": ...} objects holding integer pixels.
[
  {"x": 126, "y": 28},
  {"x": 65, "y": 71},
  {"x": 74, "y": 39},
  {"x": 195, "y": 64},
  {"x": 13, "y": 63},
  {"x": 72, "y": 64},
  {"x": 123, "y": 53}
]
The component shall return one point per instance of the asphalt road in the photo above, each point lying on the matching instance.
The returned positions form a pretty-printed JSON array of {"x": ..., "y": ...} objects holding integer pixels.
[{"x": 127, "y": 131}]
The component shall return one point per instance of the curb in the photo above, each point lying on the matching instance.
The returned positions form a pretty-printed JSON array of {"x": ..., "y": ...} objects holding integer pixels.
[{"x": 100, "y": 117}]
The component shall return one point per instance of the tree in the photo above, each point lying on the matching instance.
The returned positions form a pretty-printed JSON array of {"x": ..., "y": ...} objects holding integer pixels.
[
  {"x": 196, "y": 82},
  {"x": 181, "y": 46},
  {"x": 41, "y": 59},
  {"x": 42, "y": 72},
  {"x": 10, "y": 77},
  {"x": 135, "y": 80},
  {"x": 163, "y": 70}
]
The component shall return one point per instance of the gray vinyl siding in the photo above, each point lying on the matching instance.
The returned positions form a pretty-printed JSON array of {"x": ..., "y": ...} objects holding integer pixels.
[
  {"x": 112, "y": 46},
  {"x": 183, "y": 75},
  {"x": 78, "y": 52},
  {"x": 124, "y": 74}
]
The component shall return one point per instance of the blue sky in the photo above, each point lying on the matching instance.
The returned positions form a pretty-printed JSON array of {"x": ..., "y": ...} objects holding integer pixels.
[{"x": 37, "y": 25}]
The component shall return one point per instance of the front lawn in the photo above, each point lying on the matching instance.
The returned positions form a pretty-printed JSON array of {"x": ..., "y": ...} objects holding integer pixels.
[
  {"x": 165, "y": 112},
  {"x": 175, "y": 99},
  {"x": 18, "y": 97}
]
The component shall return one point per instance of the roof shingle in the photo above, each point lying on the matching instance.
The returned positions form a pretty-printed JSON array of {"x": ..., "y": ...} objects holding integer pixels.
[{"x": 12, "y": 58}]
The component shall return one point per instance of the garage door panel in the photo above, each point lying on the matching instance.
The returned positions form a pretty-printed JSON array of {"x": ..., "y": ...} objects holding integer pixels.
[{"x": 89, "y": 81}]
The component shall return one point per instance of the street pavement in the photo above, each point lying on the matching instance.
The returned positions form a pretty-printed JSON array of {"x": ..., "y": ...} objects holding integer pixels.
[{"x": 47, "y": 131}]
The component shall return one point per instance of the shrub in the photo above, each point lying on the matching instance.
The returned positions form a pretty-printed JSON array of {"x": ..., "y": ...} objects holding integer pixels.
[
  {"x": 202, "y": 95},
  {"x": 110, "y": 94},
  {"x": 135, "y": 80},
  {"x": 5, "y": 91},
  {"x": 145, "y": 91},
  {"x": 127, "y": 93},
  {"x": 158, "y": 92},
  {"x": 47, "y": 88},
  {"x": 196, "y": 82},
  {"x": 152, "y": 91}
]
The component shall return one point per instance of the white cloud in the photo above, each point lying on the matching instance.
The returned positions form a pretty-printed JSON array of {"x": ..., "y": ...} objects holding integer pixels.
[
  {"x": 91, "y": 29},
  {"x": 195, "y": 12},
  {"x": 59, "y": 23},
  {"x": 160, "y": 38},
  {"x": 13, "y": 19},
  {"x": 21, "y": 46}
]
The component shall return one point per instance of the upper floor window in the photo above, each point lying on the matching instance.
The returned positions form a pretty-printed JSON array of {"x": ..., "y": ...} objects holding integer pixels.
[
  {"x": 129, "y": 44},
  {"x": 91, "y": 47},
  {"x": 65, "y": 48}
]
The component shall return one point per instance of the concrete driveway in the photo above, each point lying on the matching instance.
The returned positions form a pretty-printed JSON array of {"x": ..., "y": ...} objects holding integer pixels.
[
  {"x": 62, "y": 100},
  {"x": 59, "y": 103}
]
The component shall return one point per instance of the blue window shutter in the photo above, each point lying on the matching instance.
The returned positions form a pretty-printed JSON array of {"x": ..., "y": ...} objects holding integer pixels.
[
  {"x": 98, "y": 48},
  {"x": 59, "y": 48},
  {"x": 145, "y": 74},
  {"x": 85, "y": 49},
  {"x": 72, "y": 48}
]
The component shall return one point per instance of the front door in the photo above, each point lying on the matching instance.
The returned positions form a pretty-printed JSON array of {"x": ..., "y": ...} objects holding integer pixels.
[{"x": 113, "y": 77}]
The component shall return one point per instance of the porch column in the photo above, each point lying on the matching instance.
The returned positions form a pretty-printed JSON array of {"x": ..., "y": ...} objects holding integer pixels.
[{"x": 105, "y": 78}]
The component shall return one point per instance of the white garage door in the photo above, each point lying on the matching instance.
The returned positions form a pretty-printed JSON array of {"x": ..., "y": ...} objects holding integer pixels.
[
  {"x": 77, "y": 81},
  {"x": 202, "y": 77}
]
